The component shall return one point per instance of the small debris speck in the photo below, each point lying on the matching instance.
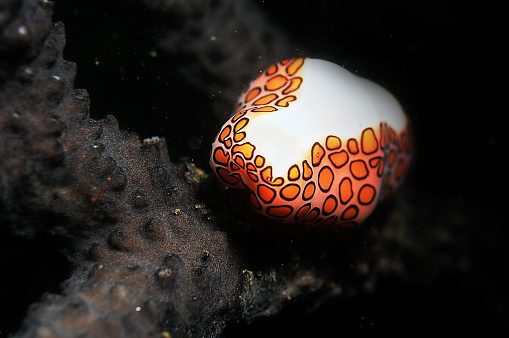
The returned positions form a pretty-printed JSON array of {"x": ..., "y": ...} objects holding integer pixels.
[
  {"x": 151, "y": 140},
  {"x": 249, "y": 275},
  {"x": 176, "y": 211},
  {"x": 22, "y": 30},
  {"x": 138, "y": 309},
  {"x": 164, "y": 273},
  {"x": 195, "y": 174}
]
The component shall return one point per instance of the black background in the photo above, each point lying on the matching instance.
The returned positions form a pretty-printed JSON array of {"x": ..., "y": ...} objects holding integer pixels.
[{"x": 446, "y": 65}]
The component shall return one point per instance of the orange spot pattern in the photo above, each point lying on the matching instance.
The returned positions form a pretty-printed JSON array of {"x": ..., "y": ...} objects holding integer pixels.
[
  {"x": 339, "y": 182},
  {"x": 293, "y": 173},
  {"x": 333, "y": 142}
]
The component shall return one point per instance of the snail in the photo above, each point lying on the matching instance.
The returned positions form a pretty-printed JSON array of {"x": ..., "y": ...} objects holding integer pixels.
[{"x": 314, "y": 143}]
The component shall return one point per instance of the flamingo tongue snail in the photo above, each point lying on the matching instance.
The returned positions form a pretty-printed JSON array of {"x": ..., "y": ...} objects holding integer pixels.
[{"x": 313, "y": 143}]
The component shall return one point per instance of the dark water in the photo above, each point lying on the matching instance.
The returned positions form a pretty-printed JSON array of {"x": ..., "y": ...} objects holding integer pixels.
[{"x": 444, "y": 63}]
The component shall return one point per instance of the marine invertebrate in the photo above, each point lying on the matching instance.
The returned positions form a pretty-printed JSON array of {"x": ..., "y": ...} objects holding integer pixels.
[{"x": 313, "y": 143}]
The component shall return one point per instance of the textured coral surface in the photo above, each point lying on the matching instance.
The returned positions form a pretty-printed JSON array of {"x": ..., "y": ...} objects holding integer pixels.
[{"x": 154, "y": 247}]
